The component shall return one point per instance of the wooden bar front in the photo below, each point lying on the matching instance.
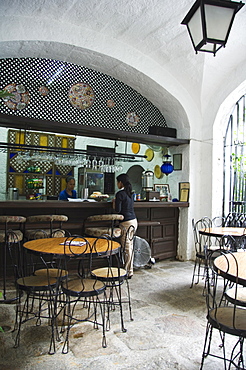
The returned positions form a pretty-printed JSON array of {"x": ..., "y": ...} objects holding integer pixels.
[{"x": 163, "y": 238}]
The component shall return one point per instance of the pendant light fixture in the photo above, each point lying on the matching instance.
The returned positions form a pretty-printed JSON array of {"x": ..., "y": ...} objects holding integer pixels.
[
  {"x": 209, "y": 23},
  {"x": 167, "y": 166}
]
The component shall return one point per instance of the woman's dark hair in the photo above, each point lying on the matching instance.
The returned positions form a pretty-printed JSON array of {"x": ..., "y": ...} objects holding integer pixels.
[
  {"x": 69, "y": 178},
  {"x": 124, "y": 178}
]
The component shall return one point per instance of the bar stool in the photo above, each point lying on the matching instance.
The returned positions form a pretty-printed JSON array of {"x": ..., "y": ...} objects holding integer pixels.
[
  {"x": 110, "y": 228},
  {"x": 47, "y": 228},
  {"x": 9, "y": 238}
]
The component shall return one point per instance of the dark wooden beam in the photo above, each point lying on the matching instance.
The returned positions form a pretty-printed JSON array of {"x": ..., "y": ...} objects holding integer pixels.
[{"x": 31, "y": 124}]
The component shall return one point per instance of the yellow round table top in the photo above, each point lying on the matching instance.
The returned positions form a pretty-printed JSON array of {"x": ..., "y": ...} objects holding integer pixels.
[
  {"x": 56, "y": 246},
  {"x": 232, "y": 266}
]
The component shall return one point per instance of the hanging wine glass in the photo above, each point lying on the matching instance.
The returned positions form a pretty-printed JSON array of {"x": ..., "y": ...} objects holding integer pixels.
[
  {"x": 94, "y": 163},
  {"x": 101, "y": 164},
  {"x": 113, "y": 166},
  {"x": 107, "y": 166},
  {"x": 88, "y": 162},
  {"x": 120, "y": 168}
]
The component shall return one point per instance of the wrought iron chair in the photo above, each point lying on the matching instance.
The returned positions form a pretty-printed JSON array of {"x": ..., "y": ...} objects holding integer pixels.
[
  {"x": 238, "y": 292},
  {"x": 11, "y": 235},
  {"x": 201, "y": 243},
  {"x": 218, "y": 221},
  {"x": 85, "y": 296},
  {"x": 234, "y": 219},
  {"x": 226, "y": 317},
  {"x": 114, "y": 275},
  {"x": 38, "y": 296},
  {"x": 51, "y": 226}
]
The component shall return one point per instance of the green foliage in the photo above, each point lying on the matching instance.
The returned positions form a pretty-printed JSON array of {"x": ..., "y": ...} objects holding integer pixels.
[
  {"x": 239, "y": 164},
  {"x": 5, "y": 94}
]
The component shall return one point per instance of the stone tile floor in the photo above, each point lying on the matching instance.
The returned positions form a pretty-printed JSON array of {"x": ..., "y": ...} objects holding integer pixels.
[{"x": 167, "y": 332}]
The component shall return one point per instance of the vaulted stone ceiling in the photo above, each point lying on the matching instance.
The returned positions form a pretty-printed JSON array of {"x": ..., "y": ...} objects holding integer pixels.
[{"x": 140, "y": 42}]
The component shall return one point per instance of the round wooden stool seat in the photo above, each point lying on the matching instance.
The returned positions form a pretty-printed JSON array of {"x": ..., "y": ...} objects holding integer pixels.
[
  {"x": 43, "y": 232},
  {"x": 14, "y": 236},
  {"x": 47, "y": 218},
  {"x": 100, "y": 231},
  {"x": 13, "y": 219},
  {"x": 83, "y": 287},
  {"x": 36, "y": 282},
  {"x": 51, "y": 272},
  {"x": 109, "y": 217},
  {"x": 107, "y": 229},
  {"x": 109, "y": 273}
]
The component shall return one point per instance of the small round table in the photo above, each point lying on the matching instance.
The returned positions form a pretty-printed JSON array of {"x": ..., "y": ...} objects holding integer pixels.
[
  {"x": 55, "y": 246},
  {"x": 232, "y": 266}
]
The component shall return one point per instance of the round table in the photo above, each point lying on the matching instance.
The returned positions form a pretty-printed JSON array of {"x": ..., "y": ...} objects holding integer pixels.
[
  {"x": 221, "y": 231},
  {"x": 56, "y": 247},
  {"x": 232, "y": 266}
]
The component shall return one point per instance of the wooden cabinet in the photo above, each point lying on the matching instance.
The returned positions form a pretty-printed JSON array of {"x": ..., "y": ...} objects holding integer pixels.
[{"x": 163, "y": 238}]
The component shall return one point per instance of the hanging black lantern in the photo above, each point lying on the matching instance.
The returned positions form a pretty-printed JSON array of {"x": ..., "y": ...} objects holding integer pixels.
[
  {"x": 209, "y": 23},
  {"x": 167, "y": 166}
]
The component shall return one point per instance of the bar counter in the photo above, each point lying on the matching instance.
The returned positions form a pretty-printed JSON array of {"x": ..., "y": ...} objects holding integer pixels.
[{"x": 163, "y": 238}]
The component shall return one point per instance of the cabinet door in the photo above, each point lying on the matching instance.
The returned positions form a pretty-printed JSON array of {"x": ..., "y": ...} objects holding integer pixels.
[{"x": 162, "y": 238}]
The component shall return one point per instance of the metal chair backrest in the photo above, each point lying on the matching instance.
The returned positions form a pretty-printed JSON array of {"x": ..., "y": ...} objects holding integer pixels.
[
  {"x": 218, "y": 221},
  {"x": 201, "y": 242},
  {"x": 228, "y": 243},
  {"x": 77, "y": 248},
  {"x": 233, "y": 219},
  {"x": 216, "y": 288}
]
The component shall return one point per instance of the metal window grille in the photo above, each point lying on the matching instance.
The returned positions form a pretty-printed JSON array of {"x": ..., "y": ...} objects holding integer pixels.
[{"x": 234, "y": 194}]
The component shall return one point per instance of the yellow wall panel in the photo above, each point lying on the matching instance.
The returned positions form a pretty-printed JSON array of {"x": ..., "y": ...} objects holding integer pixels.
[
  {"x": 43, "y": 140},
  {"x": 19, "y": 138},
  {"x": 19, "y": 182},
  {"x": 63, "y": 184},
  {"x": 64, "y": 142}
]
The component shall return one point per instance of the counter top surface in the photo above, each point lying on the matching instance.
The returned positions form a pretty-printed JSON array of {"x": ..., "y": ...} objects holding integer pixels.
[{"x": 63, "y": 204}]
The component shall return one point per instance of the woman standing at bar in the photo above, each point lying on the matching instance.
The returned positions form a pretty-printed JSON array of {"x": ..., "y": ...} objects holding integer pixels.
[{"x": 124, "y": 204}]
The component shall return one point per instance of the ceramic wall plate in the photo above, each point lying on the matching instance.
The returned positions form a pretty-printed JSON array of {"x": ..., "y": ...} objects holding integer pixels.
[
  {"x": 43, "y": 90},
  {"x": 135, "y": 148},
  {"x": 157, "y": 172},
  {"x": 81, "y": 95},
  {"x": 132, "y": 119},
  {"x": 110, "y": 103},
  {"x": 149, "y": 154},
  {"x": 20, "y": 97},
  {"x": 155, "y": 148}
]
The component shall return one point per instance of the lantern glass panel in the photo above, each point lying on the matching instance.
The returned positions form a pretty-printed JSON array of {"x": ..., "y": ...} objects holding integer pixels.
[
  {"x": 195, "y": 27},
  {"x": 218, "y": 21}
]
